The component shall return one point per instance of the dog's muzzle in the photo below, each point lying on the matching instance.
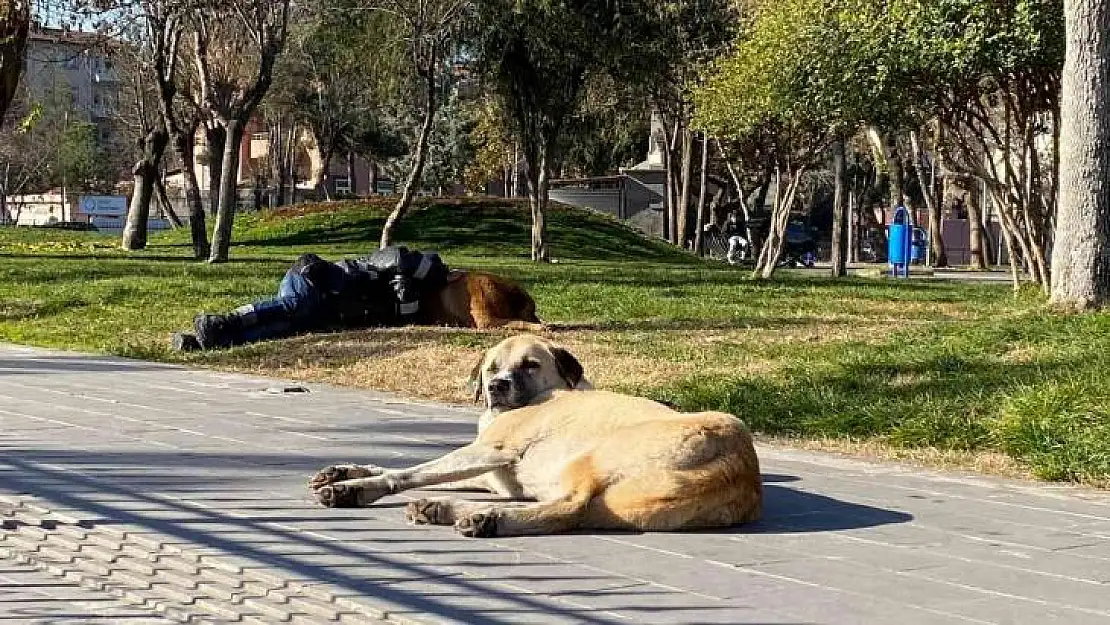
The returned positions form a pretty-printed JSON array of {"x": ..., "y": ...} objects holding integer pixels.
[{"x": 503, "y": 392}]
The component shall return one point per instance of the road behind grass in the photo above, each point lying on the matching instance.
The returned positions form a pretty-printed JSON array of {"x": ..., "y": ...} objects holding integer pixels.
[{"x": 945, "y": 371}]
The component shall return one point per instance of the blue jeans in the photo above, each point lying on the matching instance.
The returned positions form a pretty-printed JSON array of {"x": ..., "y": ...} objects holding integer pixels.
[{"x": 296, "y": 308}]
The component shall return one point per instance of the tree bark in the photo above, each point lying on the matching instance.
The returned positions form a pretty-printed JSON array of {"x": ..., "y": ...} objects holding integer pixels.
[
  {"x": 145, "y": 175},
  {"x": 668, "y": 187},
  {"x": 682, "y": 229},
  {"x": 1081, "y": 253},
  {"x": 927, "y": 181},
  {"x": 538, "y": 197},
  {"x": 215, "y": 136},
  {"x": 327, "y": 155},
  {"x": 416, "y": 173},
  {"x": 352, "y": 181},
  {"x": 840, "y": 215},
  {"x": 976, "y": 243},
  {"x": 743, "y": 201},
  {"x": 183, "y": 143},
  {"x": 780, "y": 217},
  {"x": 897, "y": 172},
  {"x": 167, "y": 206},
  {"x": 15, "y": 22},
  {"x": 229, "y": 192},
  {"x": 703, "y": 184}
]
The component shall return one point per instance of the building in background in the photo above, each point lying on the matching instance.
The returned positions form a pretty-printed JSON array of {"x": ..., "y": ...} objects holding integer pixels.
[{"x": 73, "y": 73}]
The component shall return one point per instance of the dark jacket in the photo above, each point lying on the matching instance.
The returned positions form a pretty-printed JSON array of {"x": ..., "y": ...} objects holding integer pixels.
[{"x": 383, "y": 288}]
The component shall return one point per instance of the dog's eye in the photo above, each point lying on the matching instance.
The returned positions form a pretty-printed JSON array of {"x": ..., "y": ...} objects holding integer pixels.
[{"x": 529, "y": 365}]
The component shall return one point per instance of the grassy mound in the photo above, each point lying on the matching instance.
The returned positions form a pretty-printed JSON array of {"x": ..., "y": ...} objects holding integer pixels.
[
  {"x": 943, "y": 371},
  {"x": 468, "y": 228}
]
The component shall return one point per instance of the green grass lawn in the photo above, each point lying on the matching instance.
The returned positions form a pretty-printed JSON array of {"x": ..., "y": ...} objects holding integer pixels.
[{"x": 920, "y": 369}]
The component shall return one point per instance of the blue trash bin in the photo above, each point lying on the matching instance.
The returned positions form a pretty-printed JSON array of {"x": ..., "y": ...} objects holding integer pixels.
[{"x": 899, "y": 248}]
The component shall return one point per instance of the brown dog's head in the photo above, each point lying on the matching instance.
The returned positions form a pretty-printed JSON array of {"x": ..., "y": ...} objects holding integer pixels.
[{"x": 519, "y": 369}]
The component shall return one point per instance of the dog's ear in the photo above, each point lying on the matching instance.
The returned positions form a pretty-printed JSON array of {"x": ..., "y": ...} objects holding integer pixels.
[
  {"x": 474, "y": 384},
  {"x": 569, "y": 367}
]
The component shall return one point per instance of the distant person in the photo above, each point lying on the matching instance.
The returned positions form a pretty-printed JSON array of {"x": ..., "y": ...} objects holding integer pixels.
[
  {"x": 738, "y": 246},
  {"x": 384, "y": 288}
]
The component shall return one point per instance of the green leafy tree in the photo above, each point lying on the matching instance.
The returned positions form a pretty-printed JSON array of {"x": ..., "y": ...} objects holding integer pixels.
[
  {"x": 769, "y": 95},
  {"x": 341, "y": 69},
  {"x": 235, "y": 46},
  {"x": 80, "y": 163},
  {"x": 669, "y": 42},
  {"x": 990, "y": 73},
  {"x": 431, "y": 31},
  {"x": 535, "y": 56}
]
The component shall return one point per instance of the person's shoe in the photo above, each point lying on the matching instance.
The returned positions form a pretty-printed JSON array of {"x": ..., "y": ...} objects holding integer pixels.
[
  {"x": 185, "y": 342},
  {"x": 216, "y": 331}
]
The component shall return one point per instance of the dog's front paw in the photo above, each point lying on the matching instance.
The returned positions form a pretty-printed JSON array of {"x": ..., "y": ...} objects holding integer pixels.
[
  {"x": 342, "y": 473},
  {"x": 478, "y": 525},
  {"x": 343, "y": 495},
  {"x": 429, "y": 512}
]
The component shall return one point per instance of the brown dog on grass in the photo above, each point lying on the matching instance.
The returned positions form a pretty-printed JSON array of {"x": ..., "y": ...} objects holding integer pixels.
[
  {"x": 568, "y": 457},
  {"x": 482, "y": 300}
]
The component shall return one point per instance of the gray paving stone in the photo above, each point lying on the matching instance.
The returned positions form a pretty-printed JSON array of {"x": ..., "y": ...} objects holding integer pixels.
[{"x": 205, "y": 473}]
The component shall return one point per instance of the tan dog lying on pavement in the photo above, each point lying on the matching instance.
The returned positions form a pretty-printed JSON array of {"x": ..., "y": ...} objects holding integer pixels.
[{"x": 572, "y": 459}]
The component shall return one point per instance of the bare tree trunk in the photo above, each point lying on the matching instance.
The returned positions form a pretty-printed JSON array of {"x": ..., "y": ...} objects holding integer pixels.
[
  {"x": 372, "y": 182},
  {"x": 327, "y": 154},
  {"x": 416, "y": 173},
  {"x": 538, "y": 197},
  {"x": 702, "y": 205},
  {"x": 840, "y": 216},
  {"x": 289, "y": 168},
  {"x": 780, "y": 217},
  {"x": 197, "y": 227},
  {"x": 928, "y": 185},
  {"x": 280, "y": 152},
  {"x": 229, "y": 193},
  {"x": 515, "y": 189},
  {"x": 897, "y": 172},
  {"x": 145, "y": 175},
  {"x": 215, "y": 136},
  {"x": 1012, "y": 254},
  {"x": 352, "y": 180},
  {"x": 15, "y": 22},
  {"x": 853, "y": 244},
  {"x": 668, "y": 187},
  {"x": 977, "y": 245},
  {"x": 167, "y": 206},
  {"x": 743, "y": 201},
  {"x": 1081, "y": 252},
  {"x": 682, "y": 233}
]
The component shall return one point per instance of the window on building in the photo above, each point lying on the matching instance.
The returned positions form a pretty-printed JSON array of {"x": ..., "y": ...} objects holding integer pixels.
[{"x": 342, "y": 184}]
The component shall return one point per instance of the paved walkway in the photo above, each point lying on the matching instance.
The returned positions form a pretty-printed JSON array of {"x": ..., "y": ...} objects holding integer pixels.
[{"x": 134, "y": 492}]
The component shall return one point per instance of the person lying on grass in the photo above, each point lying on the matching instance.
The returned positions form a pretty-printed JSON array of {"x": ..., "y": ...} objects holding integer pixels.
[{"x": 384, "y": 288}]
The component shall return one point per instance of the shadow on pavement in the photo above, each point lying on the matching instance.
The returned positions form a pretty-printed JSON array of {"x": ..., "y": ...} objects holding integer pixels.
[{"x": 222, "y": 501}]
